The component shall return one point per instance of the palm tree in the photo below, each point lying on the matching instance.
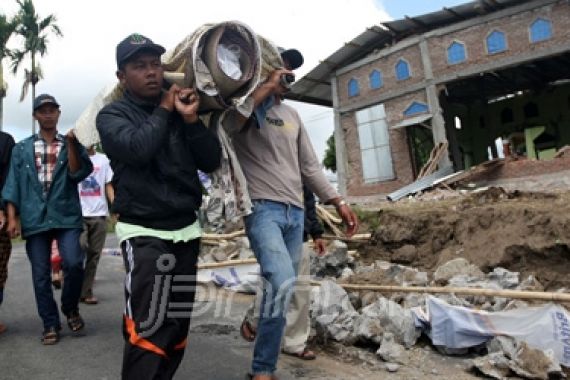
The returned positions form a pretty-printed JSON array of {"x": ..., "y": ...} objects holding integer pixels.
[
  {"x": 6, "y": 29},
  {"x": 34, "y": 30}
]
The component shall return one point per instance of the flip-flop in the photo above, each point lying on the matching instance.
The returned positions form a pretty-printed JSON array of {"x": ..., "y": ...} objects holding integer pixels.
[
  {"x": 75, "y": 322},
  {"x": 50, "y": 336},
  {"x": 249, "y": 376},
  {"x": 306, "y": 354},
  {"x": 246, "y": 331},
  {"x": 89, "y": 300}
]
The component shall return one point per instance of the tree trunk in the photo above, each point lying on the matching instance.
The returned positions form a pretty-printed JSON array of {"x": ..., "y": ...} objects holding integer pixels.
[{"x": 33, "y": 92}]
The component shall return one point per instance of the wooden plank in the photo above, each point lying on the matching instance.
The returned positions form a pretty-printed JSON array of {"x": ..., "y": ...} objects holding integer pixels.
[{"x": 436, "y": 155}]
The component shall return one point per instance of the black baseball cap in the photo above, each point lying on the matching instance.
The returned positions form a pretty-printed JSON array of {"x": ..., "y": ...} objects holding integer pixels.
[
  {"x": 293, "y": 56},
  {"x": 134, "y": 43},
  {"x": 42, "y": 99}
]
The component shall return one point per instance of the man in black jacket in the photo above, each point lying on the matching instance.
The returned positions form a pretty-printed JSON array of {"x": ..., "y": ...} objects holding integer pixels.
[{"x": 156, "y": 144}]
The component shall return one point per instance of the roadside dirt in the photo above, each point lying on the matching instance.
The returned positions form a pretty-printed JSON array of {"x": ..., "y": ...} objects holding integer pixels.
[{"x": 524, "y": 232}]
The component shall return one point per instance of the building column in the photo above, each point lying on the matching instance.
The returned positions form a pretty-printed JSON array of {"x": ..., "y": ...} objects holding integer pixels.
[
  {"x": 340, "y": 143},
  {"x": 437, "y": 120}
]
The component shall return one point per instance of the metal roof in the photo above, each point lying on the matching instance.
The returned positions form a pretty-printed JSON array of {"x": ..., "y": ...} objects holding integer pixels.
[{"x": 315, "y": 87}]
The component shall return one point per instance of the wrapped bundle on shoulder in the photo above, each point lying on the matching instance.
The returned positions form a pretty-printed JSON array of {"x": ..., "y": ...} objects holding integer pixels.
[{"x": 224, "y": 62}]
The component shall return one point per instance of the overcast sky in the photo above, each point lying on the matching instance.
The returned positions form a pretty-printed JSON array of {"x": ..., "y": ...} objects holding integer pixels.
[{"x": 81, "y": 63}]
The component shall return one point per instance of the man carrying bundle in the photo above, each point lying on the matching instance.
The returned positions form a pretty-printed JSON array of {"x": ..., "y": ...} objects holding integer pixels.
[{"x": 156, "y": 143}]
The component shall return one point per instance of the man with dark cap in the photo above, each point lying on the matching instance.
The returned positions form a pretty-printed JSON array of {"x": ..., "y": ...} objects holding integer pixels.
[
  {"x": 41, "y": 190},
  {"x": 277, "y": 157},
  {"x": 156, "y": 144}
]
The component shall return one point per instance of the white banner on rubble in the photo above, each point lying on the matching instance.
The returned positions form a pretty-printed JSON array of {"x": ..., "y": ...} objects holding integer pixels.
[
  {"x": 546, "y": 328},
  {"x": 239, "y": 278}
]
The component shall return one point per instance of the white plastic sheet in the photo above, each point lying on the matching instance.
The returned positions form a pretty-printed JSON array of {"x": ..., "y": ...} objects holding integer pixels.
[
  {"x": 228, "y": 60},
  {"x": 239, "y": 278},
  {"x": 545, "y": 328}
]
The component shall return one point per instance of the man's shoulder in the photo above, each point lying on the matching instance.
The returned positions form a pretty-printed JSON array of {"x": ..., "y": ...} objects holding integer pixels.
[
  {"x": 27, "y": 141},
  {"x": 5, "y": 136},
  {"x": 120, "y": 103}
]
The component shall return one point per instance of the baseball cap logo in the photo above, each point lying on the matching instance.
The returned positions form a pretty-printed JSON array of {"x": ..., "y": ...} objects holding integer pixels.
[{"x": 137, "y": 39}]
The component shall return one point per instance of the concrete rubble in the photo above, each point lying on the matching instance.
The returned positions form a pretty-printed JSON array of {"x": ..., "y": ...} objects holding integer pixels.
[
  {"x": 333, "y": 313},
  {"x": 509, "y": 357},
  {"x": 333, "y": 263},
  {"x": 387, "y": 325},
  {"x": 457, "y": 267},
  {"x": 391, "y": 351}
]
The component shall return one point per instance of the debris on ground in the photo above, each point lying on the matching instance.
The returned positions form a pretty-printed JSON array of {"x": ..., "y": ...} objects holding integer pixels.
[
  {"x": 509, "y": 357},
  {"x": 487, "y": 238}
]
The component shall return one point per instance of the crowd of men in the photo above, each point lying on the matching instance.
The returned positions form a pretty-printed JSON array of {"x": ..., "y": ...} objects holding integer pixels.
[{"x": 156, "y": 144}]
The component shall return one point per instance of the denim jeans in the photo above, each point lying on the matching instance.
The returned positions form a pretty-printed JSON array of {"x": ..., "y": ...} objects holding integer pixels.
[
  {"x": 275, "y": 231},
  {"x": 38, "y": 248}
]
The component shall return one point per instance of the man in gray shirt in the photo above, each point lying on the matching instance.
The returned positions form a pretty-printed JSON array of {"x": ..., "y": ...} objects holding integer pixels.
[{"x": 276, "y": 156}]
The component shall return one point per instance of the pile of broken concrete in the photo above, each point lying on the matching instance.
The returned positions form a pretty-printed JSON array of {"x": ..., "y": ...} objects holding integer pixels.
[{"x": 392, "y": 326}]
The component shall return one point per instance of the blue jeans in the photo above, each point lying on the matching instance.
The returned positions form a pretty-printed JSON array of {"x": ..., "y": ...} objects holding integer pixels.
[
  {"x": 38, "y": 248},
  {"x": 275, "y": 231}
]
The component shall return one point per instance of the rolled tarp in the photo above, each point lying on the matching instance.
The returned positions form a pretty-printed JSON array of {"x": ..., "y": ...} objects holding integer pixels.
[{"x": 224, "y": 62}]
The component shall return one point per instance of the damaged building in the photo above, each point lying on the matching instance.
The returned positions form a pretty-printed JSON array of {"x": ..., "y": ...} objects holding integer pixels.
[{"x": 482, "y": 80}]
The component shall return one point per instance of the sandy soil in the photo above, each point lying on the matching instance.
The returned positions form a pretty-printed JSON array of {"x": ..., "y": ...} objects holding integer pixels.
[{"x": 524, "y": 232}]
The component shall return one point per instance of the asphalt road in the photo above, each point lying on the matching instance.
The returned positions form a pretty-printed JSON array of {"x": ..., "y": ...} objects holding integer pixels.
[{"x": 215, "y": 349}]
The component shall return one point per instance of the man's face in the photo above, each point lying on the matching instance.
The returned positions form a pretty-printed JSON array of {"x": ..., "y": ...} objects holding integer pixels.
[
  {"x": 47, "y": 116},
  {"x": 142, "y": 75}
]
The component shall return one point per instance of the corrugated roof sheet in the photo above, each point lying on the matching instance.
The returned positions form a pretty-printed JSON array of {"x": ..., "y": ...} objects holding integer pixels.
[{"x": 315, "y": 87}]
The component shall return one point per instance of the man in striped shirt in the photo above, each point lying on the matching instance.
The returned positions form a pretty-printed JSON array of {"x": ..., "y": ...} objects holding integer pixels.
[{"x": 42, "y": 201}]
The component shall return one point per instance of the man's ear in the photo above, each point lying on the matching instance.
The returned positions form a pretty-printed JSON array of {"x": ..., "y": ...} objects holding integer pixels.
[{"x": 120, "y": 75}]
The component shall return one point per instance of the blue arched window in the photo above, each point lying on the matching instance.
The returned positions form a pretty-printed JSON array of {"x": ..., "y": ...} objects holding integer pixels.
[
  {"x": 456, "y": 53},
  {"x": 540, "y": 30},
  {"x": 375, "y": 78},
  {"x": 496, "y": 42},
  {"x": 416, "y": 108},
  {"x": 402, "y": 70},
  {"x": 353, "y": 88}
]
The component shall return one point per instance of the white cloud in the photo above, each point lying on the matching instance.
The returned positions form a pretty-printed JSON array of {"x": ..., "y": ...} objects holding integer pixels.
[{"x": 78, "y": 65}]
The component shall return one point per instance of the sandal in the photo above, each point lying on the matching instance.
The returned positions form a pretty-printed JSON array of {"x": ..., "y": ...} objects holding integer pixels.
[
  {"x": 89, "y": 300},
  {"x": 247, "y": 332},
  {"x": 75, "y": 322},
  {"x": 306, "y": 354},
  {"x": 249, "y": 376},
  {"x": 50, "y": 336}
]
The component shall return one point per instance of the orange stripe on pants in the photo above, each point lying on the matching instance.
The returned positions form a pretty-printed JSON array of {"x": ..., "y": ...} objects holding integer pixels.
[
  {"x": 136, "y": 340},
  {"x": 181, "y": 345}
]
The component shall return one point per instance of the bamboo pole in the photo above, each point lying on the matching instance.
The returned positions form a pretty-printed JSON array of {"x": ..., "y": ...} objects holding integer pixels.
[
  {"x": 325, "y": 218},
  {"x": 223, "y": 264},
  {"x": 333, "y": 218},
  {"x": 513, "y": 294},
  {"x": 232, "y": 235},
  {"x": 354, "y": 238}
]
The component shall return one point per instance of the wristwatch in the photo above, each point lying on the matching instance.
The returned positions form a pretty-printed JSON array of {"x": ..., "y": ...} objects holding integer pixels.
[{"x": 342, "y": 202}]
